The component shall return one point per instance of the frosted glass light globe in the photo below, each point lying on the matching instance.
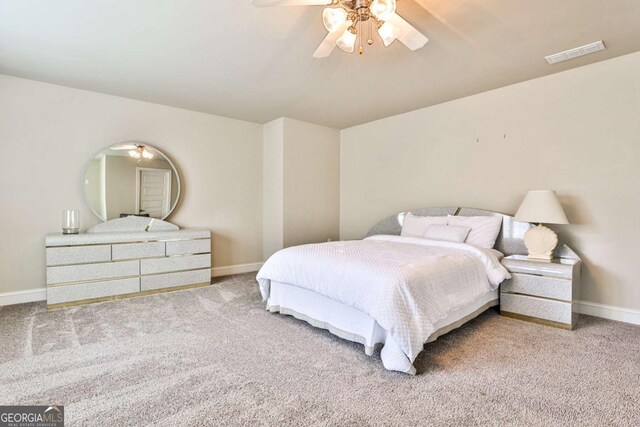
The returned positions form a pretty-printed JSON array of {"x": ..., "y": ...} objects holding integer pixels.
[
  {"x": 333, "y": 18},
  {"x": 383, "y": 9},
  {"x": 347, "y": 41}
]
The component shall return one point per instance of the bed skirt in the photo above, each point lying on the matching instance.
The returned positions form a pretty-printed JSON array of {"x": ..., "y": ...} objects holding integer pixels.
[{"x": 354, "y": 325}]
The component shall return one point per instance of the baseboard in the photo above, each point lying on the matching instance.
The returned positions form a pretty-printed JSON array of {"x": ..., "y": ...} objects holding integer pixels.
[
  {"x": 621, "y": 314},
  {"x": 21, "y": 297},
  {"x": 235, "y": 269}
]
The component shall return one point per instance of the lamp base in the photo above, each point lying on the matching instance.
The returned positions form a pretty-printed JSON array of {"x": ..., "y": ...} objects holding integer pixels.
[{"x": 540, "y": 241}]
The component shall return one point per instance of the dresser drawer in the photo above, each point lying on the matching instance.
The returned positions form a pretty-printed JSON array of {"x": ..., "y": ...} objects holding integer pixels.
[
  {"x": 138, "y": 250},
  {"x": 175, "y": 263},
  {"x": 548, "y": 287},
  {"x": 86, "y": 272},
  {"x": 170, "y": 280},
  {"x": 555, "y": 311},
  {"x": 88, "y": 291},
  {"x": 78, "y": 254},
  {"x": 183, "y": 247}
]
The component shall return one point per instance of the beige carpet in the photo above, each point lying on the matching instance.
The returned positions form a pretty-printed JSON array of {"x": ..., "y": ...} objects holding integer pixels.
[{"x": 214, "y": 356}]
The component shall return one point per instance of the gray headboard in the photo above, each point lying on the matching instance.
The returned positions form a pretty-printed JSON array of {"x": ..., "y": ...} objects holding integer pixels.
[{"x": 509, "y": 242}]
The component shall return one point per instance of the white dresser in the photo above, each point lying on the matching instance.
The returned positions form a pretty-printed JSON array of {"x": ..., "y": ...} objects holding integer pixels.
[{"x": 87, "y": 268}]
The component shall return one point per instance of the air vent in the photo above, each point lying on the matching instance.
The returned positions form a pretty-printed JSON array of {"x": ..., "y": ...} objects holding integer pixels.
[{"x": 576, "y": 52}]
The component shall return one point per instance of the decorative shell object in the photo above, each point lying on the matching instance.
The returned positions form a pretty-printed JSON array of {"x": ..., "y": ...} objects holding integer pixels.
[{"x": 541, "y": 241}]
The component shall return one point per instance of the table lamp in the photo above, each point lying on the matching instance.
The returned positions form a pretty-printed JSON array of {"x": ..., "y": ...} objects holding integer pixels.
[{"x": 541, "y": 206}]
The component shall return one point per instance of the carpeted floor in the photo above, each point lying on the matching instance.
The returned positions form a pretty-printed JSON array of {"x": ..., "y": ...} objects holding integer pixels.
[{"x": 214, "y": 356}]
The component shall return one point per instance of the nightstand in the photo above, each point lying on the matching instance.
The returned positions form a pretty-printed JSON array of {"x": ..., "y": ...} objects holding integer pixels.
[{"x": 541, "y": 291}]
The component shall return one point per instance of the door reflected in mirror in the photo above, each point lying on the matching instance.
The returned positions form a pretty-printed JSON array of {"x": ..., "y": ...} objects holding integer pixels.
[{"x": 131, "y": 178}]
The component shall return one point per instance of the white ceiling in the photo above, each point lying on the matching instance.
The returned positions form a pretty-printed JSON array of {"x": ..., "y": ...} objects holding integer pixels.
[{"x": 228, "y": 58}]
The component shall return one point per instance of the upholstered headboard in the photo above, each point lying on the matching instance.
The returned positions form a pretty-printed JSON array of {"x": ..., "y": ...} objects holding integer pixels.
[{"x": 509, "y": 242}]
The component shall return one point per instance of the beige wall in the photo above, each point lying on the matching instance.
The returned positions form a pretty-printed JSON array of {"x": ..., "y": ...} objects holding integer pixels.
[
  {"x": 273, "y": 187},
  {"x": 301, "y": 173},
  {"x": 311, "y": 183},
  {"x": 577, "y": 132},
  {"x": 47, "y": 135}
]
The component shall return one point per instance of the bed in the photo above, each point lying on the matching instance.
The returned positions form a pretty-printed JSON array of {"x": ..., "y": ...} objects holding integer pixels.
[{"x": 388, "y": 290}]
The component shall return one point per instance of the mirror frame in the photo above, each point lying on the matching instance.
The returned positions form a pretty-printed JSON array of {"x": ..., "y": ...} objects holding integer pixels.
[{"x": 106, "y": 147}]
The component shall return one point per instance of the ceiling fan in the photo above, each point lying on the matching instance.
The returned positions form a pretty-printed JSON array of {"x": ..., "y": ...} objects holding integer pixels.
[
  {"x": 345, "y": 19},
  {"x": 135, "y": 151}
]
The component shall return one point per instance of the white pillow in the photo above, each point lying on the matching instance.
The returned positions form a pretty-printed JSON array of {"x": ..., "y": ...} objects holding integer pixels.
[
  {"x": 416, "y": 226},
  {"x": 484, "y": 229},
  {"x": 448, "y": 233}
]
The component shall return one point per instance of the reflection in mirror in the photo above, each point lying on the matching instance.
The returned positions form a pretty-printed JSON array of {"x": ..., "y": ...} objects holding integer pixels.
[{"x": 131, "y": 179}]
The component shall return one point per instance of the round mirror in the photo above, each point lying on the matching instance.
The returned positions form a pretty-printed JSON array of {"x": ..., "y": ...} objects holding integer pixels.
[{"x": 131, "y": 178}]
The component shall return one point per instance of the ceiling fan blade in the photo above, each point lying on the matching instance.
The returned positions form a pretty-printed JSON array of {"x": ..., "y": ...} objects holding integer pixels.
[
  {"x": 329, "y": 43},
  {"x": 407, "y": 34},
  {"x": 269, "y": 3}
]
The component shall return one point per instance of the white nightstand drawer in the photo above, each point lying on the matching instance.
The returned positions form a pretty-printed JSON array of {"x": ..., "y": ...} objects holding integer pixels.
[
  {"x": 175, "y": 263},
  {"x": 138, "y": 250},
  {"x": 182, "y": 247},
  {"x": 555, "y": 311},
  {"x": 541, "y": 286}
]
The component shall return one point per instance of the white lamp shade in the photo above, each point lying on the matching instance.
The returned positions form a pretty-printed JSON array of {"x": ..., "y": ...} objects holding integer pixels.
[{"x": 541, "y": 206}]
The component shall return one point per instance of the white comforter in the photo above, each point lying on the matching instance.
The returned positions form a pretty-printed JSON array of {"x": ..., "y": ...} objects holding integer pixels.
[{"x": 405, "y": 284}]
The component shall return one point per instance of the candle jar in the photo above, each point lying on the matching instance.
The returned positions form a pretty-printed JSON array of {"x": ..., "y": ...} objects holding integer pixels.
[{"x": 70, "y": 221}]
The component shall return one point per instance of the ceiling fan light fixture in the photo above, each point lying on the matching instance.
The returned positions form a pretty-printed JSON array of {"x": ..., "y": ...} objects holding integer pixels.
[
  {"x": 347, "y": 41},
  {"x": 333, "y": 18},
  {"x": 147, "y": 155},
  {"x": 135, "y": 154},
  {"x": 359, "y": 16},
  {"x": 383, "y": 9},
  {"x": 387, "y": 33}
]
